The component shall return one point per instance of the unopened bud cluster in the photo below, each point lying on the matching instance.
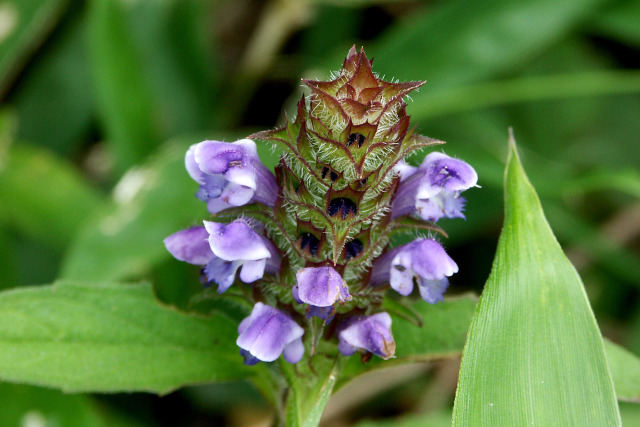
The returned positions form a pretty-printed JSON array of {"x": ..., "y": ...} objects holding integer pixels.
[{"x": 313, "y": 239}]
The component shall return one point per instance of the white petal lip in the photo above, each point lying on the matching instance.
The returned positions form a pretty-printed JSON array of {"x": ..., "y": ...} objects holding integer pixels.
[
  {"x": 401, "y": 279},
  {"x": 236, "y": 195},
  {"x": 252, "y": 270},
  {"x": 242, "y": 175}
]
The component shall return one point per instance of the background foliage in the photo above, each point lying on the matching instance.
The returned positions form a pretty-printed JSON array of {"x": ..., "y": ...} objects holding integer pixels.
[{"x": 100, "y": 99}]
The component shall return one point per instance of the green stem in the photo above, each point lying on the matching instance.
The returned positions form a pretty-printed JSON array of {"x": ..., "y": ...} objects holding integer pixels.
[{"x": 308, "y": 392}]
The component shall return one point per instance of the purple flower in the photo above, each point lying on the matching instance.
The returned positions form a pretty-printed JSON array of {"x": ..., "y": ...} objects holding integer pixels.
[
  {"x": 325, "y": 313},
  {"x": 230, "y": 174},
  {"x": 267, "y": 333},
  {"x": 371, "y": 333},
  {"x": 237, "y": 245},
  {"x": 433, "y": 189},
  {"x": 190, "y": 246},
  {"x": 217, "y": 247},
  {"x": 320, "y": 287},
  {"x": 424, "y": 259}
]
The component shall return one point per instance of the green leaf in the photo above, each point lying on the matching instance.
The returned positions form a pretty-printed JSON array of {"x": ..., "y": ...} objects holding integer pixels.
[
  {"x": 534, "y": 353},
  {"x": 624, "y": 180},
  {"x": 91, "y": 337},
  {"x": 625, "y": 370},
  {"x": 442, "y": 336},
  {"x": 630, "y": 414},
  {"x": 173, "y": 39},
  {"x": 7, "y": 260},
  {"x": 25, "y": 23},
  {"x": 26, "y": 405},
  {"x": 123, "y": 93},
  {"x": 463, "y": 41},
  {"x": 150, "y": 202},
  {"x": 442, "y": 419},
  {"x": 54, "y": 101},
  {"x": 524, "y": 89},
  {"x": 43, "y": 196},
  {"x": 618, "y": 261},
  {"x": 619, "y": 21}
]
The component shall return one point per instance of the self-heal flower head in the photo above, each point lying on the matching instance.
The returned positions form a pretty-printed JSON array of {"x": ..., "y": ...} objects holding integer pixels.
[
  {"x": 230, "y": 174},
  {"x": 237, "y": 245},
  {"x": 423, "y": 259},
  {"x": 371, "y": 333},
  {"x": 432, "y": 190},
  {"x": 320, "y": 287},
  {"x": 340, "y": 195},
  {"x": 267, "y": 333}
]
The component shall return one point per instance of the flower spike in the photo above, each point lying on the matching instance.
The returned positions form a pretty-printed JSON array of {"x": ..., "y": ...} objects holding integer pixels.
[{"x": 314, "y": 240}]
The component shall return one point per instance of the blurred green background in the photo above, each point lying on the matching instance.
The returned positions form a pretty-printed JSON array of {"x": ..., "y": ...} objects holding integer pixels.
[{"x": 101, "y": 98}]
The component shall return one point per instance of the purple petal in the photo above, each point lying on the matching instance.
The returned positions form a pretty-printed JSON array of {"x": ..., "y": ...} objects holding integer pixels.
[
  {"x": 449, "y": 173},
  {"x": 267, "y": 187},
  {"x": 249, "y": 360},
  {"x": 433, "y": 189},
  {"x": 236, "y": 241},
  {"x": 293, "y": 351},
  {"x": 345, "y": 348},
  {"x": 233, "y": 160},
  {"x": 321, "y": 286},
  {"x": 222, "y": 272},
  {"x": 325, "y": 313},
  {"x": 372, "y": 333},
  {"x": 211, "y": 188},
  {"x": 273, "y": 263},
  {"x": 266, "y": 333},
  {"x": 215, "y": 157},
  {"x": 429, "y": 260},
  {"x": 216, "y": 205},
  {"x": 444, "y": 205},
  {"x": 425, "y": 259},
  {"x": 192, "y": 165},
  {"x": 248, "y": 146},
  {"x": 432, "y": 291},
  {"x": 404, "y": 201},
  {"x": 190, "y": 245}
]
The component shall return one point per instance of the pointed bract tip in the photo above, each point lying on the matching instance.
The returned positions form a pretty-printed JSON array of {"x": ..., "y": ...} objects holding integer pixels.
[{"x": 513, "y": 148}]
